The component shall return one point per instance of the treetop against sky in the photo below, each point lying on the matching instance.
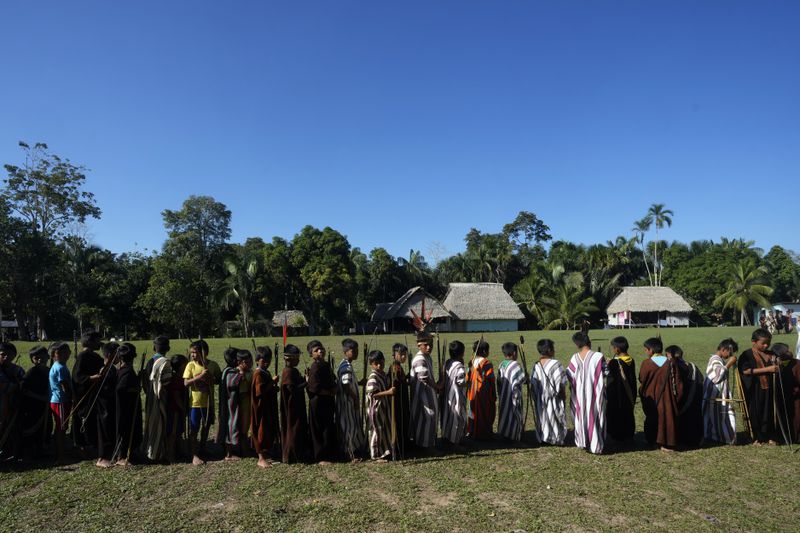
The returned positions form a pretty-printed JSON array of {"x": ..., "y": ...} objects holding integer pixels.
[{"x": 405, "y": 125}]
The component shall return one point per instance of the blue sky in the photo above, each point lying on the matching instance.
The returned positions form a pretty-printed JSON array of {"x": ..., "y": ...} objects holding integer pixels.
[{"x": 406, "y": 123}]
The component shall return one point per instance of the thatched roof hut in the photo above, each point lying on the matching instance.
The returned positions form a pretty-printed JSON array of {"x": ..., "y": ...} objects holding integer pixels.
[
  {"x": 648, "y": 306},
  {"x": 380, "y": 311},
  {"x": 396, "y": 316},
  {"x": 294, "y": 318},
  {"x": 481, "y": 307}
]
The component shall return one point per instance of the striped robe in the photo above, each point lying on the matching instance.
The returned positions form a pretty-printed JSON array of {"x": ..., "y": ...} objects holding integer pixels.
[
  {"x": 423, "y": 401},
  {"x": 548, "y": 380},
  {"x": 379, "y": 413},
  {"x": 351, "y": 433},
  {"x": 510, "y": 378},
  {"x": 454, "y": 410},
  {"x": 719, "y": 418},
  {"x": 482, "y": 395},
  {"x": 588, "y": 400}
]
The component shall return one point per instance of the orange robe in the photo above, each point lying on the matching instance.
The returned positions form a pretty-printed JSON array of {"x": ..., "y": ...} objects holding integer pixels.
[{"x": 482, "y": 396}]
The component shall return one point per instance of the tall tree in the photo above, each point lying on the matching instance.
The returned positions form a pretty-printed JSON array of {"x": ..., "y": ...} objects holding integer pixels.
[
  {"x": 240, "y": 287},
  {"x": 640, "y": 229},
  {"x": 47, "y": 191},
  {"x": 745, "y": 286},
  {"x": 661, "y": 217}
]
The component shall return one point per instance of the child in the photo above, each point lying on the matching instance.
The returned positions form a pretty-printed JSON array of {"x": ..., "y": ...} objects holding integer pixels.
[
  {"x": 60, "y": 396},
  {"x": 36, "y": 402},
  {"x": 264, "y": 407},
  {"x": 128, "y": 405},
  {"x": 156, "y": 379},
  {"x": 177, "y": 408},
  {"x": 229, "y": 356},
  {"x": 86, "y": 375},
  {"x": 548, "y": 389},
  {"x": 378, "y": 393},
  {"x": 351, "y": 435},
  {"x": 719, "y": 416},
  {"x": 213, "y": 379},
  {"x": 321, "y": 391},
  {"x": 510, "y": 379},
  {"x": 105, "y": 398},
  {"x": 788, "y": 398},
  {"x": 481, "y": 393},
  {"x": 294, "y": 423},
  {"x": 424, "y": 389},
  {"x": 757, "y": 370},
  {"x": 690, "y": 402},
  {"x": 454, "y": 408},
  {"x": 647, "y": 374},
  {"x": 586, "y": 373},
  {"x": 200, "y": 381},
  {"x": 11, "y": 377},
  {"x": 401, "y": 403},
  {"x": 237, "y": 385},
  {"x": 621, "y": 392}
]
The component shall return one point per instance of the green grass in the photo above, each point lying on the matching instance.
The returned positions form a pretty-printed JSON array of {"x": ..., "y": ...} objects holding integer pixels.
[{"x": 494, "y": 488}]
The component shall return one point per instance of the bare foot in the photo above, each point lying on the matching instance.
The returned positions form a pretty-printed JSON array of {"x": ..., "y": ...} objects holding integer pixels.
[
  {"x": 665, "y": 449},
  {"x": 772, "y": 442},
  {"x": 324, "y": 463},
  {"x": 263, "y": 463},
  {"x": 380, "y": 460},
  {"x": 196, "y": 461},
  {"x": 103, "y": 463},
  {"x": 123, "y": 462},
  {"x": 757, "y": 443},
  {"x": 233, "y": 458}
]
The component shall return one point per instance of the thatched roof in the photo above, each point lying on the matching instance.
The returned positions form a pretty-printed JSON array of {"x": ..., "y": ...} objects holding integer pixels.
[
  {"x": 294, "y": 317},
  {"x": 412, "y": 299},
  {"x": 480, "y": 301},
  {"x": 648, "y": 300},
  {"x": 380, "y": 310}
]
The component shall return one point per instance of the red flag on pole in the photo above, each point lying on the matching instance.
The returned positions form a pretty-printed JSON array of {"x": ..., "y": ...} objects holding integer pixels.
[{"x": 285, "y": 326}]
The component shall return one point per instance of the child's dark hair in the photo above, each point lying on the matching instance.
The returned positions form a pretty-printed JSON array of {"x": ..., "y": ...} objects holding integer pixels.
[
  {"x": 37, "y": 351},
  {"x": 290, "y": 350},
  {"x": 161, "y": 343},
  {"x": 581, "y": 339},
  {"x": 546, "y": 347},
  {"x": 313, "y": 345},
  {"x": 263, "y": 352},
  {"x": 89, "y": 337},
  {"x": 8, "y": 348},
  {"x": 760, "y": 333},
  {"x": 781, "y": 350},
  {"x": 230, "y": 356},
  {"x": 621, "y": 344},
  {"x": 481, "y": 348},
  {"x": 456, "y": 349},
  {"x": 110, "y": 349},
  {"x": 127, "y": 352},
  {"x": 654, "y": 344},
  {"x": 375, "y": 356},
  {"x": 674, "y": 351},
  {"x": 399, "y": 347},
  {"x": 243, "y": 355},
  {"x": 509, "y": 349},
  {"x": 349, "y": 344},
  {"x": 177, "y": 361},
  {"x": 728, "y": 344}
]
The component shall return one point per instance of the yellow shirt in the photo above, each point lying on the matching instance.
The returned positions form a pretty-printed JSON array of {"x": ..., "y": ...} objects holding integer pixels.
[{"x": 199, "y": 388}]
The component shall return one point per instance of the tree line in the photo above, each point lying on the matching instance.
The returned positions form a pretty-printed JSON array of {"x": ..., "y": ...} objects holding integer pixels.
[{"x": 54, "y": 282}]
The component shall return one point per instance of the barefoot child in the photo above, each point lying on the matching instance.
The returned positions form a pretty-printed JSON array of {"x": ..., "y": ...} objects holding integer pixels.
[
  {"x": 719, "y": 417},
  {"x": 548, "y": 389},
  {"x": 264, "y": 407},
  {"x": 128, "y": 405},
  {"x": 510, "y": 379},
  {"x": 757, "y": 369},
  {"x": 351, "y": 435},
  {"x": 177, "y": 408},
  {"x": 237, "y": 385},
  {"x": 200, "y": 381},
  {"x": 621, "y": 390},
  {"x": 586, "y": 373},
  {"x": 295, "y": 443},
  {"x": 321, "y": 391},
  {"x": 106, "y": 411},
  {"x": 60, "y": 396},
  {"x": 378, "y": 408},
  {"x": 481, "y": 393},
  {"x": 36, "y": 402},
  {"x": 400, "y": 402}
]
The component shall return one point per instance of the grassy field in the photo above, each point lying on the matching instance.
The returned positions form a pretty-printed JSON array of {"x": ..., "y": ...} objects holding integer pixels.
[{"x": 491, "y": 487}]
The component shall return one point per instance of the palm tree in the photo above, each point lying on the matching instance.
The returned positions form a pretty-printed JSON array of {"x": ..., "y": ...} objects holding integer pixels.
[
  {"x": 745, "y": 286},
  {"x": 415, "y": 267},
  {"x": 640, "y": 227},
  {"x": 240, "y": 287},
  {"x": 567, "y": 304},
  {"x": 660, "y": 217}
]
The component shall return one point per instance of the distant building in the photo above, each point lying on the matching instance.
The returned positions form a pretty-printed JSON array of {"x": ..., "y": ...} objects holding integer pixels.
[
  {"x": 648, "y": 306},
  {"x": 397, "y": 315},
  {"x": 783, "y": 307},
  {"x": 481, "y": 307},
  {"x": 295, "y": 320}
]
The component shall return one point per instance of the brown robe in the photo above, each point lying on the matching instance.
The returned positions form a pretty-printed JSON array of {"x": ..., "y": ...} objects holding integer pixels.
[
  {"x": 661, "y": 390},
  {"x": 263, "y": 411},
  {"x": 294, "y": 422},
  {"x": 321, "y": 411}
]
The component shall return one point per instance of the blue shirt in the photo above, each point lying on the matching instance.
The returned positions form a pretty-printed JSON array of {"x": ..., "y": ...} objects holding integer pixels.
[
  {"x": 59, "y": 374},
  {"x": 659, "y": 359}
]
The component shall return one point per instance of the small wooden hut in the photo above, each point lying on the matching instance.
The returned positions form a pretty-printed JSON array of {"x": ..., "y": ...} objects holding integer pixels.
[
  {"x": 648, "y": 306},
  {"x": 481, "y": 307}
]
